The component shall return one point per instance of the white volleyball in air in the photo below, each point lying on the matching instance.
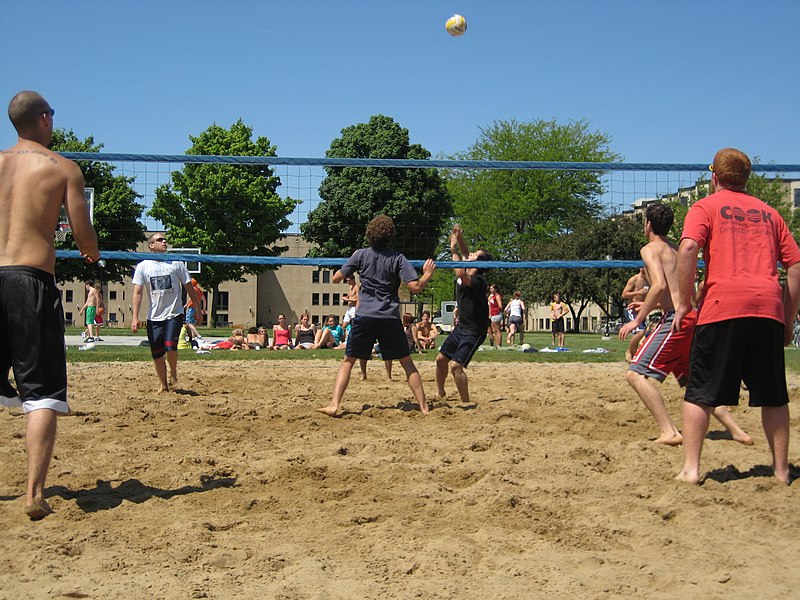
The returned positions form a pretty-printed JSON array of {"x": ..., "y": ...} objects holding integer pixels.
[{"x": 456, "y": 25}]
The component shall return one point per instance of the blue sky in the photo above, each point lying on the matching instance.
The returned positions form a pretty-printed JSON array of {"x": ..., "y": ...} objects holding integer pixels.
[{"x": 668, "y": 81}]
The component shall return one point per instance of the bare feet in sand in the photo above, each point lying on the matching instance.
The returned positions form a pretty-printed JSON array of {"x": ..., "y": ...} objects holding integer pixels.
[
  {"x": 693, "y": 478},
  {"x": 743, "y": 439},
  {"x": 328, "y": 410},
  {"x": 173, "y": 381},
  {"x": 673, "y": 439},
  {"x": 37, "y": 510},
  {"x": 782, "y": 477}
]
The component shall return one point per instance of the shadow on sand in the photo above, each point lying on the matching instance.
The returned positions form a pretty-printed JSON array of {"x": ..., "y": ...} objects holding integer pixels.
[{"x": 105, "y": 496}]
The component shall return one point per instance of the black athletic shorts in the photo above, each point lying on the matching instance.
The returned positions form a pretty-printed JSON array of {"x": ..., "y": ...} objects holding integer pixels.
[
  {"x": 728, "y": 352},
  {"x": 163, "y": 335},
  {"x": 389, "y": 333},
  {"x": 32, "y": 333},
  {"x": 558, "y": 325},
  {"x": 461, "y": 345}
]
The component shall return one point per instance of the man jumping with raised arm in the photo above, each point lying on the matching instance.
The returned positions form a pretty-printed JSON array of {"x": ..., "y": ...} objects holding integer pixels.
[
  {"x": 34, "y": 184},
  {"x": 473, "y": 318}
]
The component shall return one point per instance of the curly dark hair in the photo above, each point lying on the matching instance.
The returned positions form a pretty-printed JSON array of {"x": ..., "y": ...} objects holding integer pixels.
[{"x": 380, "y": 232}]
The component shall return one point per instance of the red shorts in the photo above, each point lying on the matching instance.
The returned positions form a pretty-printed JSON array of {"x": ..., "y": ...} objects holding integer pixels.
[{"x": 664, "y": 351}]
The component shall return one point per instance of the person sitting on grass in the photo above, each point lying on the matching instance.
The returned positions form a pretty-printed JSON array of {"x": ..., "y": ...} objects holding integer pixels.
[
  {"x": 330, "y": 336},
  {"x": 281, "y": 335}
]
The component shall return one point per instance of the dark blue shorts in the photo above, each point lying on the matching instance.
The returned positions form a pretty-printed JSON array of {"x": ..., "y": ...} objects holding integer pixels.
[
  {"x": 461, "y": 345},
  {"x": 389, "y": 334},
  {"x": 163, "y": 335},
  {"x": 728, "y": 352}
]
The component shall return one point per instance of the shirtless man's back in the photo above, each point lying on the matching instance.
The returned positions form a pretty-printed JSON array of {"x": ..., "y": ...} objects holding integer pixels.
[
  {"x": 34, "y": 184},
  {"x": 664, "y": 351}
]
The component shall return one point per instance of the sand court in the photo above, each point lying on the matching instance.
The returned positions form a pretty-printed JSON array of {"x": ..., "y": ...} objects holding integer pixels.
[{"x": 548, "y": 485}]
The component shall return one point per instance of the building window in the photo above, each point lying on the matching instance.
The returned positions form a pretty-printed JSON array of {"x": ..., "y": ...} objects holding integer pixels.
[
  {"x": 326, "y": 299},
  {"x": 112, "y": 295},
  {"x": 222, "y": 302},
  {"x": 335, "y": 298},
  {"x": 326, "y": 277},
  {"x": 797, "y": 197},
  {"x": 315, "y": 299},
  {"x": 69, "y": 296},
  {"x": 314, "y": 276},
  {"x": 68, "y": 318}
]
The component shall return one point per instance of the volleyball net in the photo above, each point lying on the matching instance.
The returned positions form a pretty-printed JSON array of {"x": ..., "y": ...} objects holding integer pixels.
[{"x": 618, "y": 188}]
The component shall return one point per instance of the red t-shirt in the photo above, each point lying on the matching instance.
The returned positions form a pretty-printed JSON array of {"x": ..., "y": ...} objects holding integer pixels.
[{"x": 743, "y": 240}]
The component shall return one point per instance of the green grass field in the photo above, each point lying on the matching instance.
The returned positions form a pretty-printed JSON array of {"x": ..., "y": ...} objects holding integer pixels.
[{"x": 577, "y": 343}]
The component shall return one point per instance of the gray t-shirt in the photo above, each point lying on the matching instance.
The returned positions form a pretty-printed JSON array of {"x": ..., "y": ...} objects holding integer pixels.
[{"x": 381, "y": 272}]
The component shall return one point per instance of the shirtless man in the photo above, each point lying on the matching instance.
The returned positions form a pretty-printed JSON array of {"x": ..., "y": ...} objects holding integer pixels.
[
  {"x": 557, "y": 311},
  {"x": 89, "y": 310},
  {"x": 34, "y": 184},
  {"x": 665, "y": 351},
  {"x": 425, "y": 332},
  {"x": 634, "y": 292}
]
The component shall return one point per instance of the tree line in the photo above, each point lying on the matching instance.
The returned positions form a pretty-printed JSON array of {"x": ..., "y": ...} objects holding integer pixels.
[{"x": 516, "y": 215}]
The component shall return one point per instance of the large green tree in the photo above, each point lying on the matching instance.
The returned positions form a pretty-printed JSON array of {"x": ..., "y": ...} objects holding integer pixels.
[
  {"x": 116, "y": 213},
  {"x": 225, "y": 209},
  {"x": 506, "y": 211},
  {"x": 417, "y": 199},
  {"x": 617, "y": 238}
]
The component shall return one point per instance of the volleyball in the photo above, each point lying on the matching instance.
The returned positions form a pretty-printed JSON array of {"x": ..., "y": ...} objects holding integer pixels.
[{"x": 456, "y": 25}]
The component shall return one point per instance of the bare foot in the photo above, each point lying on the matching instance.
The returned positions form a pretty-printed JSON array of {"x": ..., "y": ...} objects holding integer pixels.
[
  {"x": 363, "y": 377},
  {"x": 37, "y": 510},
  {"x": 674, "y": 439},
  {"x": 328, "y": 410},
  {"x": 743, "y": 438},
  {"x": 173, "y": 381},
  {"x": 163, "y": 390},
  {"x": 441, "y": 393},
  {"x": 783, "y": 477},
  {"x": 687, "y": 478},
  {"x": 424, "y": 409}
]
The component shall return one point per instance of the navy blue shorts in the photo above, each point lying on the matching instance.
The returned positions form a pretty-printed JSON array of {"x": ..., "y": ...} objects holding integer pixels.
[
  {"x": 389, "y": 334},
  {"x": 163, "y": 335},
  {"x": 728, "y": 352},
  {"x": 461, "y": 345}
]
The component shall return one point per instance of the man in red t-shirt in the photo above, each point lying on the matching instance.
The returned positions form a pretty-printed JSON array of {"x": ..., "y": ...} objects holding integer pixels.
[{"x": 740, "y": 330}]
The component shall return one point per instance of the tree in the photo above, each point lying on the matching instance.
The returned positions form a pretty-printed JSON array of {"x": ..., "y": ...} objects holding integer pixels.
[
  {"x": 417, "y": 199},
  {"x": 225, "y": 209},
  {"x": 116, "y": 213},
  {"x": 617, "y": 238},
  {"x": 506, "y": 211},
  {"x": 771, "y": 190}
]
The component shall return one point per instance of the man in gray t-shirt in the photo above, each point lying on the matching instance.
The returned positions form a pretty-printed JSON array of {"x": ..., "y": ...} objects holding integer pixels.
[{"x": 381, "y": 270}]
